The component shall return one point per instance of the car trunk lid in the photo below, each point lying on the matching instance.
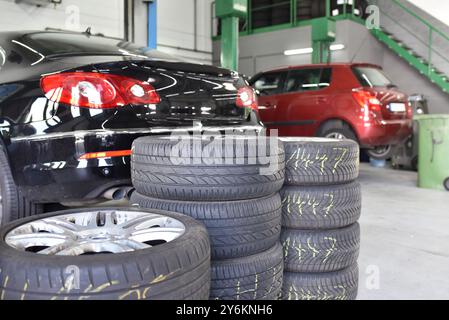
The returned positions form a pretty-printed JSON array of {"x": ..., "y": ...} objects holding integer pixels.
[{"x": 188, "y": 92}]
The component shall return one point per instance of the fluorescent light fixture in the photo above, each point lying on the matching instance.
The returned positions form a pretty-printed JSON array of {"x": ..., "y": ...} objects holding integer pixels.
[
  {"x": 337, "y": 47},
  {"x": 333, "y": 47},
  {"x": 298, "y": 51}
]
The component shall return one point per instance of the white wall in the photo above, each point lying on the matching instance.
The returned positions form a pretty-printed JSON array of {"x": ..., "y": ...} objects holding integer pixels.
[
  {"x": 176, "y": 21},
  {"x": 437, "y": 8},
  {"x": 176, "y": 29},
  {"x": 104, "y": 16}
]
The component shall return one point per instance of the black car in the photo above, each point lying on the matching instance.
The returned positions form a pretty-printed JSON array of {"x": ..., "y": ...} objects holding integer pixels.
[{"x": 71, "y": 104}]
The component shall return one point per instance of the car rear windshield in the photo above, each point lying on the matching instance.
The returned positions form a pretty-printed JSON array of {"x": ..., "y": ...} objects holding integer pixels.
[
  {"x": 371, "y": 77},
  {"x": 50, "y": 44}
]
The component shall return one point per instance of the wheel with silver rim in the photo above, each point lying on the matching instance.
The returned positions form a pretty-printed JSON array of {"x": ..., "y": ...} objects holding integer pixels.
[
  {"x": 95, "y": 232},
  {"x": 380, "y": 152},
  {"x": 337, "y": 130},
  {"x": 336, "y": 135},
  {"x": 105, "y": 253}
]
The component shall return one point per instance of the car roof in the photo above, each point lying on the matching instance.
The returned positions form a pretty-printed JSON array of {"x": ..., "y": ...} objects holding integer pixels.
[
  {"x": 18, "y": 33},
  {"x": 324, "y": 65}
]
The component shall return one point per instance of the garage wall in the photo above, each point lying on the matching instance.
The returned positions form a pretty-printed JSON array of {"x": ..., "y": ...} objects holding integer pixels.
[
  {"x": 104, "y": 16},
  {"x": 176, "y": 22},
  {"x": 436, "y": 8},
  {"x": 177, "y": 33},
  {"x": 265, "y": 51}
]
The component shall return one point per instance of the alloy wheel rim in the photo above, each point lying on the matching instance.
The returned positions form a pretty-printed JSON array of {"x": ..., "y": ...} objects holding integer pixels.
[
  {"x": 381, "y": 151},
  {"x": 95, "y": 232},
  {"x": 336, "y": 135}
]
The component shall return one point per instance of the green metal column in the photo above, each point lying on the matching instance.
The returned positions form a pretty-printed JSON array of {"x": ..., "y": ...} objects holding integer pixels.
[
  {"x": 321, "y": 52},
  {"x": 229, "y": 11},
  {"x": 323, "y": 34},
  {"x": 229, "y": 43}
]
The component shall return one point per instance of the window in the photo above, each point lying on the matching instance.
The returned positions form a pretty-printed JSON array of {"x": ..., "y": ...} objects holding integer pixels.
[
  {"x": 371, "y": 77},
  {"x": 269, "y": 83},
  {"x": 267, "y": 13},
  {"x": 308, "y": 79}
]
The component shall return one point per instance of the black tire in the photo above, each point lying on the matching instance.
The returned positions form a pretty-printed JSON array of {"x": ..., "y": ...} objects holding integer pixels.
[
  {"x": 236, "y": 228},
  {"x": 320, "y": 251},
  {"x": 321, "y": 207},
  {"x": 177, "y": 270},
  {"x": 257, "y": 277},
  {"x": 446, "y": 184},
  {"x": 316, "y": 161},
  {"x": 154, "y": 174},
  {"x": 339, "y": 285},
  {"x": 13, "y": 205}
]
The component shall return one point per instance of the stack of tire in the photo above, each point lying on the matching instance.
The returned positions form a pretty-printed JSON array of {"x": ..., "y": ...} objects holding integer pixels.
[
  {"x": 240, "y": 207},
  {"x": 321, "y": 203}
]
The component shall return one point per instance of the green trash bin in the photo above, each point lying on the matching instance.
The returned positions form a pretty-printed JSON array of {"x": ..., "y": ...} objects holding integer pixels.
[{"x": 433, "y": 166}]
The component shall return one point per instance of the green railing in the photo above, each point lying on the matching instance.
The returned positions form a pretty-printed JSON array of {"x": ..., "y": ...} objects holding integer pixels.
[
  {"x": 432, "y": 51},
  {"x": 427, "y": 23},
  {"x": 423, "y": 55},
  {"x": 346, "y": 11}
]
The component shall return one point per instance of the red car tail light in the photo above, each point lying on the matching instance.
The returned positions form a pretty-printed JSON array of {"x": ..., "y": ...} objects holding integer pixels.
[
  {"x": 97, "y": 90},
  {"x": 409, "y": 111},
  {"x": 371, "y": 106},
  {"x": 247, "y": 98}
]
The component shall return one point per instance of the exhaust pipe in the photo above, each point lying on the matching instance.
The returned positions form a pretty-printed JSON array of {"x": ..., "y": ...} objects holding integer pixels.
[{"x": 119, "y": 193}]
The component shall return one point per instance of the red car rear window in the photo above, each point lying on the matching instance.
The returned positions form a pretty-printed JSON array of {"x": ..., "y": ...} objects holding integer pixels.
[{"x": 371, "y": 77}]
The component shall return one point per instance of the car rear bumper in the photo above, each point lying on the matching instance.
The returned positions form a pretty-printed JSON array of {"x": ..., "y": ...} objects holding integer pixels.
[
  {"x": 48, "y": 168},
  {"x": 382, "y": 133}
]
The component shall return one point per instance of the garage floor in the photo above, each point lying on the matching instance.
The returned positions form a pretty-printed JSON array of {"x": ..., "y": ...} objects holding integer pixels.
[{"x": 405, "y": 238}]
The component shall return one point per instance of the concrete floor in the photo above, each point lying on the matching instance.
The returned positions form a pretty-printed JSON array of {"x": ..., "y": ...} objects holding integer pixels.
[{"x": 405, "y": 238}]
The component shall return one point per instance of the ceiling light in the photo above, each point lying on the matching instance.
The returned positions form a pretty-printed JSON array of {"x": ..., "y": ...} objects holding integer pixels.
[
  {"x": 333, "y": 47},
  {"x": 336, "y": 47},
  {"x": 298, "y": 51}
]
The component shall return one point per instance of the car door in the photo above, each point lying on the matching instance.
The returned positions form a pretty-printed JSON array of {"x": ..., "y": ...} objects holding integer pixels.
[
  {"x": 304, "y": 101},
  {"x": 269, "y": 87}
]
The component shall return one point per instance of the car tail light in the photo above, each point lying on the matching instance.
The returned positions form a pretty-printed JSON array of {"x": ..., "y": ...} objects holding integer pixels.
[
  {"x": 247, "y": 98},
  {"x": 371, "y": 106},
  {"x": 105, "y": 154},
  {"x": 97, "y": 90},
  {"x": 409, "y": 111}
]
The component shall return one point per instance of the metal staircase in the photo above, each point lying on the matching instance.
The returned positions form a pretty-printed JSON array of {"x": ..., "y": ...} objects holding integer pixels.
[{"x": 427, "y": 47}]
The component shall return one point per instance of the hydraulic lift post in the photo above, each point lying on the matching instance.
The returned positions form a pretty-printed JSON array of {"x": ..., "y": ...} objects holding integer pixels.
[
  {"x": 323, "y": 34},
  {"x": 230, "y": 11}
]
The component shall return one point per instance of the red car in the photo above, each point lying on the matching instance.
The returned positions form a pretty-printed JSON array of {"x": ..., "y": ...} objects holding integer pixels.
[{"x": 340, "y": 100}]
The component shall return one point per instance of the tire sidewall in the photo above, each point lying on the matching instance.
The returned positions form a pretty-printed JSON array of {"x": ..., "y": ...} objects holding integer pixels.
[{"x": 5, "y": 187}]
